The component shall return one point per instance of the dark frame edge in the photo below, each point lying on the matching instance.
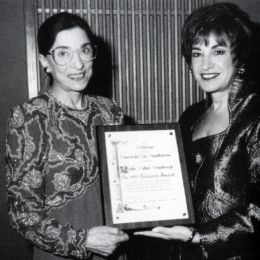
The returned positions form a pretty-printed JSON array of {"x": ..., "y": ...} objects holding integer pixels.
[{"x": 105, "y": 181}]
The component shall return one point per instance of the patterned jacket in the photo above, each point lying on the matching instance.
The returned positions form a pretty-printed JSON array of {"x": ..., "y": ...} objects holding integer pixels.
[
  {"x": 51, "y": 164},
  {"x": 226, "y": 180}
]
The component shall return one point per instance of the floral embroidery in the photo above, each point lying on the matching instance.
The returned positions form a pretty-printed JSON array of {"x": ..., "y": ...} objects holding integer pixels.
[
  {"x": 79, "y": 155},
  {"x": 72, "y": 235},
  {"x": 55, "y": 156},
  {"x": 52, "y": 232},
  {"x": 17, "y": 118},
  {"x": 61, "y": 181},
  {"x": 56, "y": 201},
  {"x": 32, "y": 180},
  {"x": 51, "y": 160},
  {"x": 40, "y": 104},
  {"x": 29, "y": 219}
]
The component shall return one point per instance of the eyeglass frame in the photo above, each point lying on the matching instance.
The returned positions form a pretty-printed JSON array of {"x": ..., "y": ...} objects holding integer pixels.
[{"x": 94, "y": 48}]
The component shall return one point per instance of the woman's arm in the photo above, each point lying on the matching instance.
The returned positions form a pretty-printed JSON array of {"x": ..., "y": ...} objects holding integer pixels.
[
  {"x": 239, "y": 230},
  {"x": 25, "y": 177},
  {"x": 235, "y": 232},
  {"x": 25, "y": 182}
]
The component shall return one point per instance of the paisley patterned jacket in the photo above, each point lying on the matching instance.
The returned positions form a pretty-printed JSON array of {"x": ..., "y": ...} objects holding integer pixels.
[
  {"x": 227, "y": 207},
  {"x": 51, "y": 162}
]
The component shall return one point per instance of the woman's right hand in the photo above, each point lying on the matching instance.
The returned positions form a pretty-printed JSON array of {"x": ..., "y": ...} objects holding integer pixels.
[{"x": 104, "y": 240}]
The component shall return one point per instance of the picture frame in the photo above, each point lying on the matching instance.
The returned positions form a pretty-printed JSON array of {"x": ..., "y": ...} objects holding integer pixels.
[{"x": 144, "y": 176}]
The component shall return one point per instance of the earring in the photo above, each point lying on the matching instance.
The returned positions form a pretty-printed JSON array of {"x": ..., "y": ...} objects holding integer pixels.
[
  {"x": 241, "y": 71},
  {"x": 46, "y": 70}
]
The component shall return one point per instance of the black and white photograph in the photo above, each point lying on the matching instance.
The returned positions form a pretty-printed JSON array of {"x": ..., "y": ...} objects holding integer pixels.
[{"x": 130, "y": 130}]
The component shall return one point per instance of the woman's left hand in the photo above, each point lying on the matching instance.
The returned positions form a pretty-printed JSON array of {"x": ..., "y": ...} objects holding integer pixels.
[{"x": 180, "y": 233}]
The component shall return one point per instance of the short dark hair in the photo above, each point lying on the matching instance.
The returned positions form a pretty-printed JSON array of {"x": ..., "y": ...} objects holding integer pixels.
[
  {"x": 227, "y": 22},
  {"x": 58, "y": 22}
]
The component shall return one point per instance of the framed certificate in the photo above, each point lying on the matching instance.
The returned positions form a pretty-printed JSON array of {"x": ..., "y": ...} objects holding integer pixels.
[{"x": 144, "y": 177}]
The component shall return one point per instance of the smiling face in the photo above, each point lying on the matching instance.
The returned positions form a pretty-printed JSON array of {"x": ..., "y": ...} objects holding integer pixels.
[
  {"x": 74, "y": 76},
  {"x": 212, "y": 65}
]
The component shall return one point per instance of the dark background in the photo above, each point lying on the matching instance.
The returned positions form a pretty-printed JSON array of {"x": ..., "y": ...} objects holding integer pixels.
[{"x": 13, "y": 90}]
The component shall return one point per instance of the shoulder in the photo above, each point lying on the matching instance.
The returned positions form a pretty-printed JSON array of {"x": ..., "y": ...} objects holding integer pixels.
[
  {"x": 247, "y": 110},
  {"x": 28, "y": 110},
  {"x": 248, "y": 100},
  {"x": 250, "y": 111},
  {"x": 252, "y": 103},
  {"x": 39, "y": 103},
  {"x": 101, "y": 101},
  {"x": 109, "y": 110},
  {"x": 104, "y": 105}
]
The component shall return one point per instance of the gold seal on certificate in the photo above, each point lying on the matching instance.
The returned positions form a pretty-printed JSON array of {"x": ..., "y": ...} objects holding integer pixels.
[{"x": 144, "y": 177}]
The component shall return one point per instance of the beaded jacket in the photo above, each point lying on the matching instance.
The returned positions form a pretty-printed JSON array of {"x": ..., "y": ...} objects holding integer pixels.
[
  {"x": 226, "y": 179},
  {"x": 52, "y": 172}
]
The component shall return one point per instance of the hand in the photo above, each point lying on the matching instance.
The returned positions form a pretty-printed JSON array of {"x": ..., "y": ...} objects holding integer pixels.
[
  {"x": 104, "y": 240},
  {"x": 179, "y": 233}
]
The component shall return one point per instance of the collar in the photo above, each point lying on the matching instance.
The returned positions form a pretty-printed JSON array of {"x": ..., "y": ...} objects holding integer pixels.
[{"x": 237, "y": 91}]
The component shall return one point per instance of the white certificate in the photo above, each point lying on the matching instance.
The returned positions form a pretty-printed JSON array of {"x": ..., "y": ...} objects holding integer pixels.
[{"x": 145, "y": 176}]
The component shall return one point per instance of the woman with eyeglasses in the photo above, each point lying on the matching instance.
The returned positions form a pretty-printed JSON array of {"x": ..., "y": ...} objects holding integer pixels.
[{"x": 53, "y": 184}]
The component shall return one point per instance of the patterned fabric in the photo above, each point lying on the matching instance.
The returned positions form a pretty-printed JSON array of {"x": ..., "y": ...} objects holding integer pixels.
[
  {"x": 52, "y": 171},
  {"x": 225, "y": 177}
]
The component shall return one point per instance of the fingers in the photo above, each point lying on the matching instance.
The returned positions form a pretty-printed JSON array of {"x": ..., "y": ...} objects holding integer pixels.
[
  {"x": 104, "y": 240},
  {"x": 153, "y": 231},
  {"x": 161, "y": 230},
  {"x": 180, "y": 233},
  {"x": 121, "y": 236},
  {"x": 147, "y": 233},
  {"x": 116, "y": 231},
  {"x": 103, "y": 251},
  {"x": 152, "y": 234}
]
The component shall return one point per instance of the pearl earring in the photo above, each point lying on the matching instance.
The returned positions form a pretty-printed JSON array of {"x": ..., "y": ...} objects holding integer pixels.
[{"x": 46, "y": 70}]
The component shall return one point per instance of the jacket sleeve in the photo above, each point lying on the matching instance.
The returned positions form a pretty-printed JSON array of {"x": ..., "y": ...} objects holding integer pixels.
[
  {"x": 111, "y": 112},
  {"x": 25, "y": 182},
  {"x": 238, "y": 231},
  {"x": 118, "y": 115}
]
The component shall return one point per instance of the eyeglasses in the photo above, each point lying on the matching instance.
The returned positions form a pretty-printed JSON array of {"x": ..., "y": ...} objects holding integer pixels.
[{"x": 63, "y": 55}]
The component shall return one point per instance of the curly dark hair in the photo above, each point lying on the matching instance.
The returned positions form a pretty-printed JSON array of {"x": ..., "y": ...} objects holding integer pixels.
[{"x": 227, "y": 22}]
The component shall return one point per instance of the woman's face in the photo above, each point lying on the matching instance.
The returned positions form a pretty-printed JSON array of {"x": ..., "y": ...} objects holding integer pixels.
[
  {"x": 75, "y": 75},
  {"x": 212, "y": 65}
]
